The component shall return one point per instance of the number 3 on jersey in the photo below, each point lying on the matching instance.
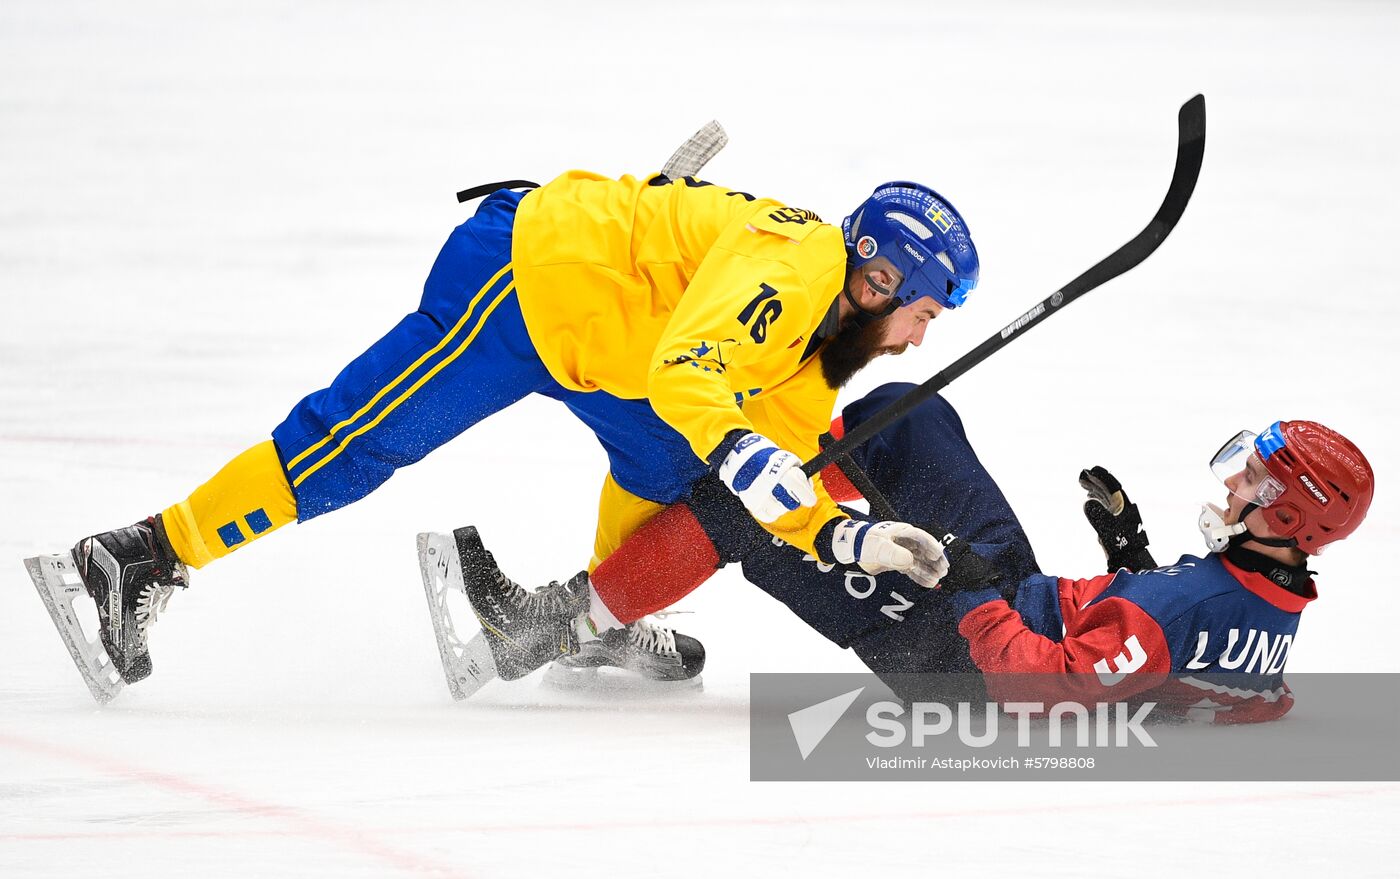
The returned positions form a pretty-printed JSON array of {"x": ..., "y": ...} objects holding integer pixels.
[
  {"x": 1124, "y": 664},
  {"x": 762, "y": 310}
]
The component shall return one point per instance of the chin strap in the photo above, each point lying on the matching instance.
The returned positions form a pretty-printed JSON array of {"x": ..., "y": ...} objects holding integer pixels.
[
  {"x": 1221, "y": 537},
  {"x": 862, "y": 317}
]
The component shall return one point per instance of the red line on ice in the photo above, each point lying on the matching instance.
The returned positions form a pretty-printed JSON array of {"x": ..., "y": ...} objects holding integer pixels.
[
  {"x": 756, "y": 821},
  {"x": 351, "y": 839}
]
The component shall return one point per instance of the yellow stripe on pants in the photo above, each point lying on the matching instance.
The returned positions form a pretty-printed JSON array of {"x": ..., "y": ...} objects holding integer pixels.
[
  {"x": 451, "y": 334},
  {"x": 466, "y": 343}
]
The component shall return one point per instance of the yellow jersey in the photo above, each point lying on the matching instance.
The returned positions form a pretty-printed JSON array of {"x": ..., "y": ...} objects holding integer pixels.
[{"x": 701, "y": 299}]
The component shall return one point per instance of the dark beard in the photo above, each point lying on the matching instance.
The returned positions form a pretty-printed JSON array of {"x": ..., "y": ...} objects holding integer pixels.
[{"x": 853, "y": 347}]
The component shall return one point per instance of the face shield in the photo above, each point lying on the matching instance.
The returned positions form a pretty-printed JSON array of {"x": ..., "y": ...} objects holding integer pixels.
[
  {"x": 883, "y": 277},
  {"x": 1238, "y": 466},
  {"x": 887, "y": 280}
]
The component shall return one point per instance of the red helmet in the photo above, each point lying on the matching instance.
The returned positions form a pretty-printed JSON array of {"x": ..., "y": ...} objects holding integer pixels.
[{"x": 1326, "y": 482}]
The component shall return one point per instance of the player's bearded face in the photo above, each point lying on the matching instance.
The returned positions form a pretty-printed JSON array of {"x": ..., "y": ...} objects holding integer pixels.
[{"x": 854, "y": 347}]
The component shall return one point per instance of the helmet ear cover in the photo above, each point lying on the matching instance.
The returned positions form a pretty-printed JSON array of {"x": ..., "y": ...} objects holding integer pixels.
[{"x": 1284, "y": 518}]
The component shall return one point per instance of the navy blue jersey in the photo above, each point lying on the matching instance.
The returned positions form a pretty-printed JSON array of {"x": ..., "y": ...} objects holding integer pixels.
[
  {"x": 930, "y": 473},
  {"x": 1221, "y": 633}
]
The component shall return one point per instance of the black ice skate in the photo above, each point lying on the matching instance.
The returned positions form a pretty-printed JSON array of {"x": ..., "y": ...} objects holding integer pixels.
[
  {"x": 652, "y": 651},
  {"x": 130, "y": 574},
  {"x": 525, "y": 629}
]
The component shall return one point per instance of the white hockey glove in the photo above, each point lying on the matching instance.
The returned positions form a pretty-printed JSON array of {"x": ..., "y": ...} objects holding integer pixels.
[
  {"x": 890, "y": 546},
  {"x": 768, "y": 480}
]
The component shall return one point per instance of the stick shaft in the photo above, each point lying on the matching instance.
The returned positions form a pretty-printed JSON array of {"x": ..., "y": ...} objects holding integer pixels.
[{"x": 1191, "y": 141}]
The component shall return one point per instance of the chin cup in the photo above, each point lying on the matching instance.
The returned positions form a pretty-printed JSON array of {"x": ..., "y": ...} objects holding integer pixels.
[{"x": 1214, "y": 529}]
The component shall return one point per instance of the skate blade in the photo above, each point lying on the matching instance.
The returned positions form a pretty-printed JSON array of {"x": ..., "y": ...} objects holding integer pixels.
[
  {"x": 614, "y": 681},
  {"x": 469, "y": 666},
  {"x": 57, "y": 581}
]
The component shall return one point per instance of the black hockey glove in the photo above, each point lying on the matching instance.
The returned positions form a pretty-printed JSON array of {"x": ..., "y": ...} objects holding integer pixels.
[
  {"x": 966, "y": 569},
  {"x": 1116, "y": 521}
]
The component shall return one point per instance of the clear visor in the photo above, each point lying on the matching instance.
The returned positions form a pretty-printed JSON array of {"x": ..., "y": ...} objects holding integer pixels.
[
  {"x": 1238, "y": 466},
  {"x": 886, "y": 280},
  {"x": 883, "y": 277}
]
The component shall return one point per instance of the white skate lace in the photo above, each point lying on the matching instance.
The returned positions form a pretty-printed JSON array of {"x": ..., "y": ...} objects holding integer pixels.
[
  {"x": 149, "y": 604},
  {"x": 546, "y": 601},
  {"x": 650, "y": 637}
]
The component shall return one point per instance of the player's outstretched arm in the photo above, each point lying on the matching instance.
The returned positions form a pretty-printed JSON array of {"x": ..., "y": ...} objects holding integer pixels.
[{"x": 1116, "y": 521}]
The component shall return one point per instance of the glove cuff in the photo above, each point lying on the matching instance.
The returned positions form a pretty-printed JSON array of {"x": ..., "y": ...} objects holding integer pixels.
[
  {"x": 967, "y": 570},
  {"x": 1134, "y": 558},
  {"x": 848, "y": 539},
  {"x": 826, "y": 535},
  {"x": 1122, "y": 538},
  {"x": 716, "y": 458}
]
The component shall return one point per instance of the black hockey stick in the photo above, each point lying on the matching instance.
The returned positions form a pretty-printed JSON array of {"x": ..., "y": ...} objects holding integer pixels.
[
  {"x": 1190, "y": 150},
  {"x": 880, "y": 505}
]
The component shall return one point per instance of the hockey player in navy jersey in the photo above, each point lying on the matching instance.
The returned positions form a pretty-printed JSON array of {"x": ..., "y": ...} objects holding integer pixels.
[
  {"x": 1208, "y": 634},
  {"x": 1213, "y": 632}
]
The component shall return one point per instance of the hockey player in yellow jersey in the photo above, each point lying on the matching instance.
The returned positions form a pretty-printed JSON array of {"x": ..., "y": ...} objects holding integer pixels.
[{"x": 690, "y": 326}]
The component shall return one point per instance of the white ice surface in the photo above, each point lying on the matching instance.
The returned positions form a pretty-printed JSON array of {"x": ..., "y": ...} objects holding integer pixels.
[{"x": 206, "y": 209}]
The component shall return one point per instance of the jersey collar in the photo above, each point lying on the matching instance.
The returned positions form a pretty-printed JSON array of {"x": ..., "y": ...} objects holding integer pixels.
[{"x": 1270, "y": 591}]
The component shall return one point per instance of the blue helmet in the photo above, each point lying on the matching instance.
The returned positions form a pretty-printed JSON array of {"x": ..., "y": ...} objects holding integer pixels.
[{"x": 918, "y": 231}]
